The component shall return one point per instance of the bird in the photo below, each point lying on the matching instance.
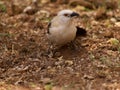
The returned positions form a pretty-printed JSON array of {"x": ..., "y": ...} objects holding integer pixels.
[{"x": 62, "y": 29}]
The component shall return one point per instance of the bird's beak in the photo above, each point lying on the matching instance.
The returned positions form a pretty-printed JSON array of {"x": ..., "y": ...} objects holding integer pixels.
[{"x": 74, "y": 14}]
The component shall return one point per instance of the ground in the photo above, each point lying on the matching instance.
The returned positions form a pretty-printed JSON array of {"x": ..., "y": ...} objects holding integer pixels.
[{"x": 24, "y": 63}]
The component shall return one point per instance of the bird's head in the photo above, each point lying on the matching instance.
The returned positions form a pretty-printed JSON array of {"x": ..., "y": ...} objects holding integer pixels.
[{"x": 67, "y": 15}]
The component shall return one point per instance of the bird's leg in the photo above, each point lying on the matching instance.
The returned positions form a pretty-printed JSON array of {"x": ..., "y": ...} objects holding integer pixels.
[
  {"x": 52, "y": 50},
  {"x": 74, "y": 46}
]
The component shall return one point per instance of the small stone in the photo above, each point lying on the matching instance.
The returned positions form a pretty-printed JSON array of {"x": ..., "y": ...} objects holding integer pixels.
[
  {"x": 113, "y": 20},
  {"x": 110, "y": 13},
  {"x": 44, "y": 1},
  {"x": 34, "y": 1},
  {"x": 60, "y": 58},
  {"x": 69, "y": 62},
  {"x": 94, "y": 22},
  {"x": 88, "y": 77},
  {"x": 29, "y": 10},
  {"x": 117, "y": 24},
  {"x": 81, "y": 8}
]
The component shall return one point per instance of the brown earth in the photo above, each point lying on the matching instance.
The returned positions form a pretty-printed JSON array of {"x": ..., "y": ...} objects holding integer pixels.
[{"x": 94, "y": 65}]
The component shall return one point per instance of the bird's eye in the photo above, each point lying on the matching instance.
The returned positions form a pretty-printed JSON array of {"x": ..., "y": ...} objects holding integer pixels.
[{"x": 66, "y": 15}]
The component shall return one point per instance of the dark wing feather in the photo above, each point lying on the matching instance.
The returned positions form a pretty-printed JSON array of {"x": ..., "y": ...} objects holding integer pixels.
[
  {"x": 81, "y": 31},
  {"x": 48, "y": 28}
]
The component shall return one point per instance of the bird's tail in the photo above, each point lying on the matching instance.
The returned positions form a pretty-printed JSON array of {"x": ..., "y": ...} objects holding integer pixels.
[{"x": 81, "y": 31}]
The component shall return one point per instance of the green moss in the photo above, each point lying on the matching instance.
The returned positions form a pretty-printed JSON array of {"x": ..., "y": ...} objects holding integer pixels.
[{"x": 2, "y": 8}]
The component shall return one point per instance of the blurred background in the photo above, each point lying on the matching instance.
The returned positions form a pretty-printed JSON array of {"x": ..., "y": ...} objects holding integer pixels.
[{"x": 23, "y": 43}]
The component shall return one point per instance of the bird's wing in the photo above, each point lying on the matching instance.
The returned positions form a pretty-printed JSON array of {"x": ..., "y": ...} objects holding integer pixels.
[
  {"x": 81, "y": 31},
  {"x": 48, "y": 28},
  {"x": 53, "y": 23}
]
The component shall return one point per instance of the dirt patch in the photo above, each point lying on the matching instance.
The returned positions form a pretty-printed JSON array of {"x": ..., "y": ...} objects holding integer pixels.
[{"x": 95, "y": 64}]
